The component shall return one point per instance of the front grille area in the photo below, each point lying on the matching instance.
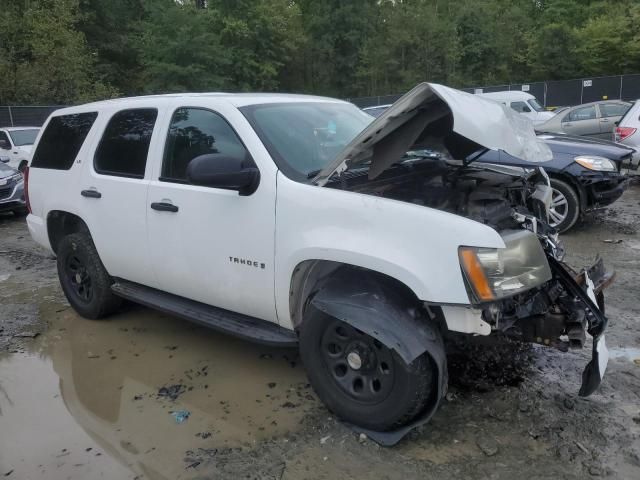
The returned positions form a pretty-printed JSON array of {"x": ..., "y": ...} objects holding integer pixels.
[{"x": 5, "y": 192}]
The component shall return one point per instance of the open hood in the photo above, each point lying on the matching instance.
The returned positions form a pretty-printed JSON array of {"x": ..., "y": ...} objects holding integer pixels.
[{"x": 435, "y": 117}]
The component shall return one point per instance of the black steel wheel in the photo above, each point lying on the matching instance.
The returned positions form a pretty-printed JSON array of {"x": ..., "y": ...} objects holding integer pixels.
[
  {"x": 359, "y": 378},
  {"x": 83, "y": 278},
  {"x": 360, "y": 365}
]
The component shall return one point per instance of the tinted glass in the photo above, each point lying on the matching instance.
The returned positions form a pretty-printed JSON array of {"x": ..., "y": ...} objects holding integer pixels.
[
  {"x": 579, "y": 114},
  {"x": 520, "y": 107},
  {"x": 61, "y": 141},
  {"x": 305, "y": 137},
  {"x": 194, "y": 132},
  {"x": 3, "y": 136},
  {"x": 24, "y": 137},
  {"x": 125, "y": 143},
  {"x": 613, "y": 109}
]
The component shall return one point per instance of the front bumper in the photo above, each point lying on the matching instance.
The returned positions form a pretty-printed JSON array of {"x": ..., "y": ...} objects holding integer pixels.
[
  {"x": 606, "y": 191},
  {"x": 587, "y": 288},
  {"x": 12, "y": 197}
]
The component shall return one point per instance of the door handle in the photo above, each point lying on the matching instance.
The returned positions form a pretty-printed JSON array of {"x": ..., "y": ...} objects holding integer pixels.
[
  {"x": 604, "y": 120},
  {"x": 164, "y": 207},
  {"x": 91, "y": 194}
]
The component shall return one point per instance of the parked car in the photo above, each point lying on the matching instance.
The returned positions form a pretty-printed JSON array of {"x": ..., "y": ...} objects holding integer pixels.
[
  {"x": 585, "y": 174},
  {"x": 298, "y": 220},
  {"x": 522, "y": 102},
  {"x": 16, "y": 144},
  {"x": 596, "y": 119},
  {"x": 377, "y": 110},
  {"x": 626, "y": 131},
  {"x": 11, "y": 190}
]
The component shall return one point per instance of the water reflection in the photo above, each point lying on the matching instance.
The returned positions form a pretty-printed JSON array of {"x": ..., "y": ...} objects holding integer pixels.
[{"x": 109, "y": 375}]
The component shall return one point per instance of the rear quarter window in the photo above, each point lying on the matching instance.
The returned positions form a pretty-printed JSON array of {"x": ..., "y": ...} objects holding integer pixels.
[
  {"x": 125, "y": 143},
  {"x": 61, "y": 141}
]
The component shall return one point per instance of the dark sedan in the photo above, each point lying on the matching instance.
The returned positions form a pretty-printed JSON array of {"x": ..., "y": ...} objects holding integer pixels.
[{"x": 585, "y": 174}]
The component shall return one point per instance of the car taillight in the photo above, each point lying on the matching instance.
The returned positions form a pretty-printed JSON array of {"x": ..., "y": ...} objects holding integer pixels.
[
  {"x": 25, "y": 174},
  {"x": 623, "y": 132}
]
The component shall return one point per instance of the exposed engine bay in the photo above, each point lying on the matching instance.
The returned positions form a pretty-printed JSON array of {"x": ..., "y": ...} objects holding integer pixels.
[{"x": 557, "y": 313}]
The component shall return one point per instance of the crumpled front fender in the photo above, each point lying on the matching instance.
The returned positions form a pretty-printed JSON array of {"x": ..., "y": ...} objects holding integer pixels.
[{"x": 381, "y": 308}]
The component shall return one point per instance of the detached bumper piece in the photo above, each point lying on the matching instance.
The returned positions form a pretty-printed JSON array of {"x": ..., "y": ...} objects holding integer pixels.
[{"x": 587, "y": 288}]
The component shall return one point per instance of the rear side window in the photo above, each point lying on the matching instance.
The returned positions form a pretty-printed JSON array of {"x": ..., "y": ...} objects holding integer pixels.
[
  {"x": 62, "y": 140},
  {"x": 613, "y": 109},
  {"x": 125, "y": 143}
]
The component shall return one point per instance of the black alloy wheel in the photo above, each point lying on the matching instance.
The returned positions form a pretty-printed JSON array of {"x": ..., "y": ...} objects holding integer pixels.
[{"x": 79, "y": 278}]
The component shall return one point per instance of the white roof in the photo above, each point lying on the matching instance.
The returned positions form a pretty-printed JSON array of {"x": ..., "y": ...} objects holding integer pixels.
[
  {"x": 236, "y": 99},
  {"x": 13, "y": 129},
  {"x": 508, "y": 94}
]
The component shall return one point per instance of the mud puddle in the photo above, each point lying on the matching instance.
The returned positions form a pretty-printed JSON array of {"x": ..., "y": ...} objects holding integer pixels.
[{"x": 95, "y": 399}]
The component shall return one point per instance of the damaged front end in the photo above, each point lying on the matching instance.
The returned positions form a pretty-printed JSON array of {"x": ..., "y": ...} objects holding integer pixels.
[
  {"x": 559, "y": 314},
  {"x": 422, "y": 151}
]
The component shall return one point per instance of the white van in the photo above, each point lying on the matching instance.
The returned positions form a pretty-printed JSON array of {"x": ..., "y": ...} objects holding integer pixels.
[{"x": 521, "y": 102}]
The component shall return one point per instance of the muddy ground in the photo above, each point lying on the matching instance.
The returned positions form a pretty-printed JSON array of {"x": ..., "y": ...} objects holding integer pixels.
[{"x": 101, "y": 399}]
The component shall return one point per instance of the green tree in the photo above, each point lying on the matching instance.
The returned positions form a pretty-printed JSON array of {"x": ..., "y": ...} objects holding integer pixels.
[
  {"x": 43, "y": 57},
  {"x": 180, "y": 49}
]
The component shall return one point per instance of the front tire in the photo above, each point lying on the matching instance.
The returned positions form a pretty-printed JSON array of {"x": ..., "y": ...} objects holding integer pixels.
[
  {"x": 565, "y": 206},
  {"x": 361, "y": 380},
  {"x": 83, "y": 278}
]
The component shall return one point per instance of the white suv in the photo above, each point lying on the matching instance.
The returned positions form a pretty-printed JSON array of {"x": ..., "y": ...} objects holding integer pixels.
[
  {"x": 16, "y": 144},
  {"x": 298, "y": 220}
]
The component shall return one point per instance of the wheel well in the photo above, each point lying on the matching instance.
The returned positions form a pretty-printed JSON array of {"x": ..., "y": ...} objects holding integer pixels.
[
  {"x": 60, "y": 224},
  {"x": 309, "y": 275}
]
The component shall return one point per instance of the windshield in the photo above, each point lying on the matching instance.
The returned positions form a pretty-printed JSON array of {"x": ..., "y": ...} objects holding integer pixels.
[
  {"x": 303, "y": 138},
  {"x": 535, "y": 105},
  {"x": 24, "y": 137}
]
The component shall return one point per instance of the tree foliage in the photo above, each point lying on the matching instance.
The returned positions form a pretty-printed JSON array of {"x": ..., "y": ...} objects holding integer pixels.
[{"x": 65, "y": 51}]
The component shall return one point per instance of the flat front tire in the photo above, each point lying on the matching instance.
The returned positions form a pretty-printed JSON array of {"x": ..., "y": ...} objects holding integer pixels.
[
  {"x": 83, "y": 278},
  {"x": 361, "y": 380}
]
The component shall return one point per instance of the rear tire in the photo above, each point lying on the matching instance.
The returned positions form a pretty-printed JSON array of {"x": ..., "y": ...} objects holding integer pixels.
[
  {"x": 565, "y": 206},
  {"x": 383, "y": 393},
  {"x": 83, "y": 278}
]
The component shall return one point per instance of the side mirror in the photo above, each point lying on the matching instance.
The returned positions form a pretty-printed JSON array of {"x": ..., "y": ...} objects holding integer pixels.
[
  {"x": 218, "y": 171},
  {"x": 5, "y": 145}
]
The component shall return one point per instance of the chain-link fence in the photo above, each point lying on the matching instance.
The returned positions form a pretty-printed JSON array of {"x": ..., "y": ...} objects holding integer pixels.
[
  {"x": 552, "y": 93},
  {"x": 20, "y": 116}
]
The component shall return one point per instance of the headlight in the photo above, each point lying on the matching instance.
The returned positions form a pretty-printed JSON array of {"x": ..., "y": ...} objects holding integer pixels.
[
  {"x": 593, "y": 162},
  {"x": 495, "y": 273}
]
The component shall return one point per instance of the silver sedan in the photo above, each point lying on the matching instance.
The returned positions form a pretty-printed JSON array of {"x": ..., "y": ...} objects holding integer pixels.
[{"x": 596, "y": 119}]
